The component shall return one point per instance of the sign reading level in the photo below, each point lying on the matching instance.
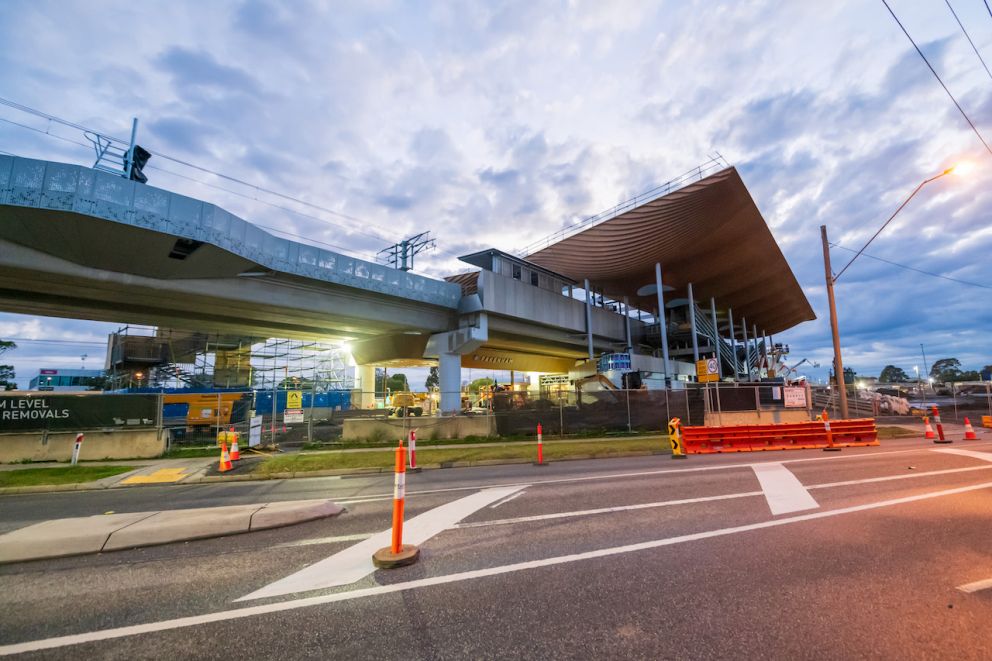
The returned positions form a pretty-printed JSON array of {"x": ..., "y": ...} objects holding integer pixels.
[
  {"x": 707, "y": 370},
  {"x": 294, "y": 399}
]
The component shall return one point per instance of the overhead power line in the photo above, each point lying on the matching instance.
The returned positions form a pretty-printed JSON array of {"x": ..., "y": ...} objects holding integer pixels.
[
  {"x": 988, "y": 148},
  {"x": 968, "y": 37},
  {"x": 913, "y": 268}
]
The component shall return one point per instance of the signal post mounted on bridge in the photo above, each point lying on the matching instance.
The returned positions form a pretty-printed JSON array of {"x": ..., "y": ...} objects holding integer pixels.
[
  {"x": 675, "y": 438},
  {"x": 397, "y": 554},
  {"x": 940, "y": 428}
]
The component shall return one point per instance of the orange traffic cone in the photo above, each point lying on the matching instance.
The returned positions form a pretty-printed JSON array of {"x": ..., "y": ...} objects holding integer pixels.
[
  {"x": 235, "y": 452},
  {"x": 969, "y": 431},
  {"x": 225, "y": 459},
  {"x": 928, "y": 429}
]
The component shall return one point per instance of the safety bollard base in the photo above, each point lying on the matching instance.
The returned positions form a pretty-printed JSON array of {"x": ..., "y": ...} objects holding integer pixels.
[
  {"x": 541, "y": 463},
  {"x": 414, "y": 470},
  {"x": 832, "y": 448},
  {"x": 946, "y": 440},
  {"x": 679, "y": 456},
  {"x": 384, "y": 558}
]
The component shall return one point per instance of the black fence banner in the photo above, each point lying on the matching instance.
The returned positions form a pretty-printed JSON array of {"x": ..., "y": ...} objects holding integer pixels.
[{"x": 38, "y": 412}]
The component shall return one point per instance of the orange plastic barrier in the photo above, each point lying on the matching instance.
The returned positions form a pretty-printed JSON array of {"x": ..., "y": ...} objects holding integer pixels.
[
  {"x": 987, "y": 421},
  {"x": 789, "y": 436}
]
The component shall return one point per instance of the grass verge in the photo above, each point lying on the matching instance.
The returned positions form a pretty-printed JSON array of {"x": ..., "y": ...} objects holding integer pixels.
[
  {"x": 427, "y": 456},
  {"x": 189, "y": 453},
  {"x": 29, "y": 477},
  {"x": 896, "y": 432}
]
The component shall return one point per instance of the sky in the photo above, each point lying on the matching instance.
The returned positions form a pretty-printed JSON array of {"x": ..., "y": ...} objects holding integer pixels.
[{"x": 493, "y": 124}]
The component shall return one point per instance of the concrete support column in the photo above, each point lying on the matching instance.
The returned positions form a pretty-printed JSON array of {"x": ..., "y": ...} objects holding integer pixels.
[
  {"x": 757, "y": 350},
  {"x": 449, "y": 371},
  {"x": 626, "y": 318},
  {"x": 733, "y": 343},
  {"x": 366, "y": 386},
  {"x": 588, "y": 317},
  {"x": 692, "y": 325},
  {"x": 716, "y": 336},
  {"x": 662, "y": 326}
]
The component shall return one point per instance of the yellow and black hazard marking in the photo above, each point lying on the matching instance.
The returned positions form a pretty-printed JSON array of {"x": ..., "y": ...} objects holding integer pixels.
[{"x": 675, "y": 438}]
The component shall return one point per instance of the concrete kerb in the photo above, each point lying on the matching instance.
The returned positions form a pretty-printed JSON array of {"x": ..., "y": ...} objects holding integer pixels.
[{"x": 95, "y": 534}]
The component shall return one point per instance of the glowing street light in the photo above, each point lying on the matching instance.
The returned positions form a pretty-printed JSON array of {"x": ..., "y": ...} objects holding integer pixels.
[{"x": 961, "y": 168}]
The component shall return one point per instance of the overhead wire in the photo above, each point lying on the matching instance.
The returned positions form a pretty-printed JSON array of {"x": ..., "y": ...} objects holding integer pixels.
[
  {"x": 913, "y": 268},
  {"x": 968, "y": 37},
  {"x": 939, "y": 79}
]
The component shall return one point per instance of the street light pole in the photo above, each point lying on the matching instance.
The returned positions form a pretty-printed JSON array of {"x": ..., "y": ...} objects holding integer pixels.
[{"x": 838, "y": 362}]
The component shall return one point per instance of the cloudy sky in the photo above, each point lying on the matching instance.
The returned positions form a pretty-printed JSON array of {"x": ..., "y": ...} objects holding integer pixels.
[{"x": 496, "y": 123}]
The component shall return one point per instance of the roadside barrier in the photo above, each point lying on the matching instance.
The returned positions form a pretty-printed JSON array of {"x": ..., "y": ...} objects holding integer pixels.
[
  {"x": 76, "y": 447},
  {"x": 397, "y": 554},
  {"x": 859, "y": 432},
  {"x": 940, "y": 428},
  {"x": 235, "y": 452},
  {"x": 969, "y": 431},
  {"x": 225, "y": 459},
  {"x": 540, "y": 447},
  {"x": 927, "y": 429},
  {"x": 675, "y": 438},
  {"x": 987, "y": 421},
  {"x": 412, "y": 441}
]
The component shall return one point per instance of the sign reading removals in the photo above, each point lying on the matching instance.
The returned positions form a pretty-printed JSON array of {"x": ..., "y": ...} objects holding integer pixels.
[{"x": 76, "y": 412}]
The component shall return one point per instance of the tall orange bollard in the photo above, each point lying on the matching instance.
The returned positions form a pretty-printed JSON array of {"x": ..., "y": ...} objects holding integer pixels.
[
  {"x": 413, "y": 451},
  {"x": 830, "y": 435},
  {"x": 397, "y": 554},
  {"x": 540, "y": 447},
  {"x": 940, "y": 428},
  {"x": 969, "y": 431}
]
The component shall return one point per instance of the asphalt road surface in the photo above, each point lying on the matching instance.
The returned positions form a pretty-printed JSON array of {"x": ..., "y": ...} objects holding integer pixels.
[{"x": 866, "y": 553}]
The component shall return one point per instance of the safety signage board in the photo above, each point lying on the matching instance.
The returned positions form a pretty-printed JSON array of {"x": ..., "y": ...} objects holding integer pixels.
[
  {"x": 255, "y": 431},
  {"x": 294, "y": 399},
  {"x": 707, "y": 370},
  {"x": 794, "y": 397},
  {"x": 291, "y": 416}
]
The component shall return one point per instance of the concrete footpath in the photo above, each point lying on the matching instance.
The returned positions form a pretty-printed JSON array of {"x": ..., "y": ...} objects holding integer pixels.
[{"x": 112, "y": 532}]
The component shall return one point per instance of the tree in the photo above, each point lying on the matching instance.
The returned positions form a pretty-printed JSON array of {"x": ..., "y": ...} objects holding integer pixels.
[
  {"x": 433, "y": 379},
  {"x": 7, "y": 371},
  {"x": 479, "y": 383},
  {"x": 397, "y": 382},
  {"x": 892, "y": 374},
  {"x": 946, "y": 369}
]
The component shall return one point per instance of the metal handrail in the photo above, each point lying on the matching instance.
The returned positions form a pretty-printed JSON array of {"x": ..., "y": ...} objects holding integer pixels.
[{"x": 715, "y": 163}]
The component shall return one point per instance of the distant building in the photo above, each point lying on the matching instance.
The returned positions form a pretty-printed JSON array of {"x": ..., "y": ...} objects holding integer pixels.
[{"x": 66, "y": 379}]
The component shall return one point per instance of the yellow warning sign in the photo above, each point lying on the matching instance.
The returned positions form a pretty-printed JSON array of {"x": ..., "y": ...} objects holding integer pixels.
[
  {"x": 707, "y": 370},
  {"x": 294, "y": 399}
]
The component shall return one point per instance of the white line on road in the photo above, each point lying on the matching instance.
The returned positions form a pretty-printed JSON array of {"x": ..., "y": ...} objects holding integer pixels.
[
  {"x": 984, "y": 456},
  {"x": 506, "y": 500},
  {"x": 326, "y": 540},
  {"x": 602, "y": 510},
  {"x": 664, "y": 471},
  {"x": 976, "y": 586},
  {"x": 227, "y": 616},
  {"x": 783, "y": 490},
  {"x": 355, "y": 562}
]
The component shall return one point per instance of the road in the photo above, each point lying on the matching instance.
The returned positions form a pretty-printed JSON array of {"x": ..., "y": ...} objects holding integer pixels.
[{"x": 803, "y": 554}]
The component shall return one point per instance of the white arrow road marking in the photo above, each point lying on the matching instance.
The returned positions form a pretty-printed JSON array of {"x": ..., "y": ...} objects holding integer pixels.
[
  {"x": 984, "y": 456},
  {"x": 506, "y": 500},
  {"x": 976, "y": 586},
  {"x": 355, "y": 562},
  {"x": 783, "y": 491}
]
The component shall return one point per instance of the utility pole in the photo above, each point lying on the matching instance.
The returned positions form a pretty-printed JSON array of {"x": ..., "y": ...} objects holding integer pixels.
[
  {"x": 400, "y": 255},
  {"x": 838, "y": 362}
]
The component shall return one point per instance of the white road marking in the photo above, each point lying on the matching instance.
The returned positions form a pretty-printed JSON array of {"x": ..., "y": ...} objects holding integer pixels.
[
  {"x": 228, "y": 615},
  {"x": 664, "y": 471},
  {"x": 902, "y": 476},
  {"x": 602, "y": 510},
  {"x": 783, "y": 490},
  {"x": 326, "y": 540},
  {"x": 355, "y": 562},
  {"x": 984, "y": 456},
  {"x": 976, "y": 586},
  {"x": 506, "y": 500}
]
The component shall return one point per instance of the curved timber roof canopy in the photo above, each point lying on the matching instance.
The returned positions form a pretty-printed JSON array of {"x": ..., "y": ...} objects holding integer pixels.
[{"x": 709, "y": 233}]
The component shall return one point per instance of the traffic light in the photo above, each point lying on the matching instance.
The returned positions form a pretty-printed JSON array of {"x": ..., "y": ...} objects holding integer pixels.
[{"x": 139, "y": 157}]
